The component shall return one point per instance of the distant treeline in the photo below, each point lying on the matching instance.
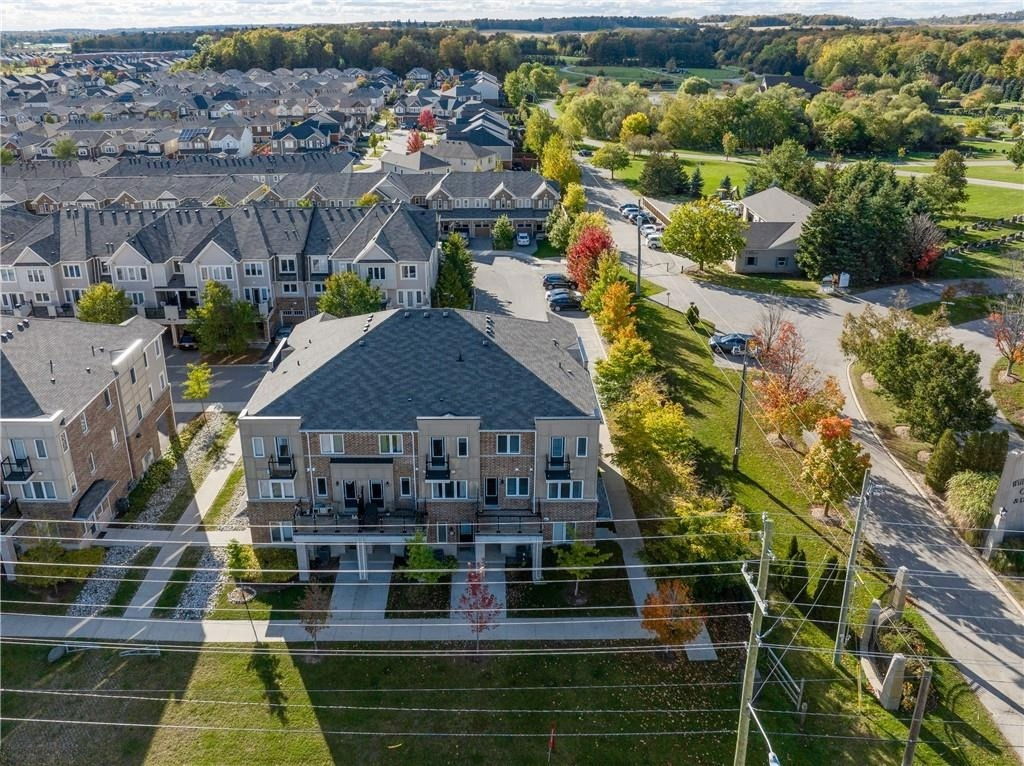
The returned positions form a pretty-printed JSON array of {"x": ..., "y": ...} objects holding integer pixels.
[
  {"x": 139, "y": 41},
  {"x": 582, "y": 23}
]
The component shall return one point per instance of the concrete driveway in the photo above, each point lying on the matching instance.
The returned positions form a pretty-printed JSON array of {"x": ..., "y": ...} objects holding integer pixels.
[
  {"x": 233, "y": 384},
  {"x": 508, "y": 283}
]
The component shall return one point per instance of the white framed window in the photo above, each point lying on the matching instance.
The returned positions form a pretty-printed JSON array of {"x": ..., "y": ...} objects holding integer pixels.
[
  {"x": 252, "y": 269},
  {"x": 286, "y": 265},
  {"x": 8, "y": 275},
  {"x": 390, "y": 444},
  {"x": 113, "y": 437},
  {"x": 290, "y": 288},
  {"x": 405, "y": 486},
  {"x": 408, "y": 271},
  {"x": 39, "y": 490},
  {"x": 582, "y": 444},
  {"x": 565, "y": 490},
  {"x": 462, "y": 446},
  {"x": 517, "y": 486},
  {"x": 281, "y": 532},
  {"x": 42, "y": 297},
  {"x": 137, "y": 298},
  {"x": 36, "y": 276},
  {"x": 508, "y": 444},
  {"x": 131, "y": 274},
  {"x": 64, "y": 445},
  {"x": 107, "y": 402},
  {"x": 449, "y": 490},
  {"x": 41, "y": 451},
  {"x": 257, "y": 447},
  {"x": 277, "y": 489},
  {"x": 85, "y": 424},
  {"x": 216, "y": 273},
  {"x": 442, "y": 532},
  {"x": 317, "y": 264},
  {"x": 72, "y": 271},
  {"x": 72, "y": 484},
  {"x": 378, "y": 273},
  {"x": 73, "y": 295},
  {"x": 92, "y": 463},
  {"x": 332, "y": 444},
  {"x": 321, "y": 486}
]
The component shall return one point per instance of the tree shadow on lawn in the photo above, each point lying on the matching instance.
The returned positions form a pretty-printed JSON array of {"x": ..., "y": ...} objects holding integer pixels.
[
  {"x": 267, "y": 666},
  {"x": 675, "y": 346}
]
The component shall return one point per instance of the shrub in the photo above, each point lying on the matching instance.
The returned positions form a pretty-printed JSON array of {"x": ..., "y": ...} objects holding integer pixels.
[
  {"x": 1009, "y": 560},
  {"x": 828, "y": 592},
  {"x": 985, "y": 451},
  {"x": 503, "y": 234},
  {"x": 943, "y": 463},
  {"x": 969, "y": 496}
]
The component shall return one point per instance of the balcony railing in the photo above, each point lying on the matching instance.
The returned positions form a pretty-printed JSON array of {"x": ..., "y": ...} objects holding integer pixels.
[
  {"x": 558, "y": 467},
  {"x": 281, "y": 468},
  {"x": 17, "y": 469},
  {"x": 336, "y": 519},
  {"x": 438, "y": 467},
  {"x": 508, "y": 523}
]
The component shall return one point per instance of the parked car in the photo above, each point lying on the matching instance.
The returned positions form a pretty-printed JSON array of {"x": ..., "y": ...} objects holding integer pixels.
[
  {"x": 735, "y": 343},
  {"x": 562, "y": 291},
  {"x": 282, "y": 332},
  {"x": 523, "y": 239},
  {"x": 585, "y": 153},
  {"x": 650, "y": 228},
  {"x": 187, "y": 341},
  {"x": 629, "y": 210},
  {"x": 551, "y": 281},
  {"x": 654, "y": 242},
  {"x": 566, "y": 302},
  {"x": 628, "y": 205}
]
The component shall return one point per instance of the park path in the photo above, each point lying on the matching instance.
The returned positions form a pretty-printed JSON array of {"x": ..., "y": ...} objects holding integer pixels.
[{"x": 174, "y": 540}]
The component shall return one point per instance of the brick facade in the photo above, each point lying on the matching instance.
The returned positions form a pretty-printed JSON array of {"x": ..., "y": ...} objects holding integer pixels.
[
  {"x": 112, "y": 463},
  {"x": 147, "y": 435}
]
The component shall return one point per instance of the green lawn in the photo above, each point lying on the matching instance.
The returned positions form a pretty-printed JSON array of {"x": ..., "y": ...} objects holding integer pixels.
[
  {"x": 546, "y": 250},
  {"x": 993, "y": 202},
  {"x": 607, "y": 588},
  {"x": 222, "y": 503},
  {"x": 272, "y": 602},
  {"x": 47, "y": 599},
  {"x": 882, "y": 414},
  {"x": 715, "y": 76},
  {"x": 1009, "y": 396},
  {"x": 177, "y": 580},
  {"x": 713, "y": 171},
  {"x": 960, "y": 310},
  {"x": 787, "y": 287},
  {"x": 628, "y": 74},
  {"x": 129, "y": 585},
  {"x": 410, "y": 599},
  {"x": 993, "y": 262},
  {"x": 997, "y": 173}
]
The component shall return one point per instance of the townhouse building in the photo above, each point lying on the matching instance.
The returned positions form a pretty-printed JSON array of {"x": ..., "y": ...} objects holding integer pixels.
[
  {"x": 480, "y": 431},
  {"x": 86, "y": 409}
]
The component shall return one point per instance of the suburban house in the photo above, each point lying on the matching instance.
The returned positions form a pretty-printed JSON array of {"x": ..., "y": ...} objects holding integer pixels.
[
  {"x": 775, "y": 219},
  {"x": 423, "y": 161},
  {"x": 769, "y": 81},
  {"x": 375, "y": 427},
  {"x": 86, "y": 409},
  {"x": 471, "y": 203}
]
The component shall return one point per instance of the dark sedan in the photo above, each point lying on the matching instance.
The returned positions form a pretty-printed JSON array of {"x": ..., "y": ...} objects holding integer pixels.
[
  {"x": 554, "y": 281},
  {"x": 565, "y": 302},
  {"x": 731, "y": 343}
]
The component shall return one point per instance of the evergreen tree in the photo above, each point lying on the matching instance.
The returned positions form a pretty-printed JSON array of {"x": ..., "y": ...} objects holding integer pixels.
[
  {"x": 799, "y": 578},
  {"x": 662, "y": 175},
  {"x": 829, "y": 593},
  {"x": 697, "y": 183},
  {"x": 454, "y": 288},
  {"x": 784, "y": 569},
  {"x": 943, "y": 463},
  {"x": 726, "y": 186}
]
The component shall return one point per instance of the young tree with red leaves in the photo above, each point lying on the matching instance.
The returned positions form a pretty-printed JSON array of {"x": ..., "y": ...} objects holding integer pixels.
[
  {"x": 426, "y": 119},
  {"x": 1008, "y": 329},
  {"x": 834, "y": 467},
  {"x": 582, "y": 257},
  {"x": 669, "y": 613},
  {"x": 414, "y": 143},
  {"x": 790, "y": 394},
  {"x": 478, "y": 606}
]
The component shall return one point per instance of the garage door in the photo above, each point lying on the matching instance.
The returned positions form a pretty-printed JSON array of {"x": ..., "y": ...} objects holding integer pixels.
[{"x": 482, "y": 230}]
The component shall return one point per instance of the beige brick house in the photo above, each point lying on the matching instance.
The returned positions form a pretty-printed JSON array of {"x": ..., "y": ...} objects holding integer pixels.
[
  {"x": 85, "y": 409},
  {"x": 480, "y": 431}
]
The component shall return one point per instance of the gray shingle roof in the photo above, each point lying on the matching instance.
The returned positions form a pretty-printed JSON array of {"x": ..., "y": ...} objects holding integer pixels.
[
  {"x": 424, "y": 364},
  {"x": 70, "y": 345}
]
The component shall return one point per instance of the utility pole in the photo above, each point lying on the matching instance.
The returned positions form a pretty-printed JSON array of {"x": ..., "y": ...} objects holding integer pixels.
[
  {"x": 851, "y": 565},
  {"x": 739, "y": 413},
  {"x": 747, "y": 693},
  {"x": 637, "y": 290},
  {"x": 915, "y": 722}
]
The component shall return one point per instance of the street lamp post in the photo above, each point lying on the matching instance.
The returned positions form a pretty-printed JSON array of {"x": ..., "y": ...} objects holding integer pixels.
[{"x": 638, "y": 261}]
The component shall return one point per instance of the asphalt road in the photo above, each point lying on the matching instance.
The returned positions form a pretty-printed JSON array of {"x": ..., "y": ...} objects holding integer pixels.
[
  {"x": 233, "y": 384},
  {"x": 979, "y": 624}
]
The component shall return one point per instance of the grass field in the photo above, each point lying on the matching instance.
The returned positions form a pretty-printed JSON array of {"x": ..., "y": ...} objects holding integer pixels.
[
  {"x": 1009, "y": 396},
  {"x": 960, "y": 310},
  {"x": 278, "y": 603},
  {"x": 222, "y": 503},
  {"x": 713, "y": 172},
  {"x": 787, "y": 287},
  {"x": 993, "y": 202},
  {"x": 992, "y": 262},
  {"x": 628, "y": 74},
  {"x": 882, "y": 414}
]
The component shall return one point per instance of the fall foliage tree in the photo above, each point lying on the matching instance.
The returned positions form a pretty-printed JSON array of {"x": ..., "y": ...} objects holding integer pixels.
[
  {"x": 426, "y": 119},
  {"x": 608, "y": 273},
  {"x": 574, "y": 199},
  {"x": 1008, "y": 330},
  {"x": 834, "y": 467},
  {"x": 556, "y": 162},
  {"x": 479, "y": 607},
  {"x": 617, "y": 314},
  {"x": 629, "y": 359},
  {"x": 636, "y": 124},
  {"x": 314, "y": 611},
  {"x": 611, "y": 157},
  {"x": 583, "y": 254},
  {"x": 414, "y": 142},
  {"x": 670, "y": 614},
  {"x": 704, "y": 231}
]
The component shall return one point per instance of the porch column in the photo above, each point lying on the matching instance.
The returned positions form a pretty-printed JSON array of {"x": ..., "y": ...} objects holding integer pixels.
[
  {"x": 362, "y": 562},
  {"x": 538, "y": 553},
  {"x": 174, "y": 335},
  {"x": 303, "y": 561}
]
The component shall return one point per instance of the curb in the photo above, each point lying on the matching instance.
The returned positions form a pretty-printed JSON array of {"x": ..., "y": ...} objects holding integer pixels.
[{"x": 939, "y": 512}]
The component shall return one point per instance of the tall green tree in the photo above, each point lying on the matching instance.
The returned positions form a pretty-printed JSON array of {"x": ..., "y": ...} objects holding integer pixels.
[
  {"x": 556, "y": 162},
  {"x": 540, "y": 126},
  {"x": 579, "y": 559},
  {"x": 611, "y": 157},
  {"x": 704, "y": 231},
  {"x": 198, "y": 384},
  {"x": 346, "y": 295},
  {"x": 789, "y": 167},
  {"x": 454, "y": 288},
  {"x": 944, "y": 462},
  {"x": 503, "y": 233},
  {"x": 221, "y": 323},
  {"x": 946, "y": 186},
  {"x": 421, "y": 564},
  {"x": 1015, "y": 153},
  {"x": 105, "y": 304},
  {"x": 662, "y": 176},
  {"x": 948, "y": 393},
  {"x": 65, "y": 149}
]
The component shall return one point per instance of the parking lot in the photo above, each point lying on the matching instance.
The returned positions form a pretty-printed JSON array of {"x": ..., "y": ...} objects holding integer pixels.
[{"x": 509, "y": 284}]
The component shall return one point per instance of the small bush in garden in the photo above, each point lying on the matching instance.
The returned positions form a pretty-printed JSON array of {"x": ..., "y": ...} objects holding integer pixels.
[
  {"x": 969, "y": 497},
  {"x": 1010, "y": 559},
  {"x": 271, "y": 559}
]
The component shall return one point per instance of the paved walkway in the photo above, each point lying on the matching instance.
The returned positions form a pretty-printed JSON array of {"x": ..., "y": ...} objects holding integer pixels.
[
  {"x": 352, "y": 599},
  {"x": 174, "y": 540}
]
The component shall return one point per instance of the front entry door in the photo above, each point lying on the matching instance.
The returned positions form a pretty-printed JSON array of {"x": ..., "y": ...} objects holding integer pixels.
[
  {"x": 350, "y": 494},
  {"x": 491, "y": 491}
]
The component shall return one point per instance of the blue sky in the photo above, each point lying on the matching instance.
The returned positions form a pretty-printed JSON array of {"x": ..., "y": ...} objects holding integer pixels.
[{"x": 99, "y": 14}]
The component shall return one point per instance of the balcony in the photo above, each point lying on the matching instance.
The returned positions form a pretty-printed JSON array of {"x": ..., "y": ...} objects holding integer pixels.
[
  {"x": 557, "y": 467},
  {"x": 16, "y": 469},
  {"x": 281, "y": 468},
  {"x": 508, "y": 523},
  {"x": 438, "y": 467},
  {"x": 338, "y": 519}
]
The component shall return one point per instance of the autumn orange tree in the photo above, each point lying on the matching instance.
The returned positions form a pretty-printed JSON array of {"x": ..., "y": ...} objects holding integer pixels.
[
  {"x": 671, "y": 615},
  {"x": 582, "y": 257},
  {"x": 618, "y": 314},
  {"x": 414, "y": 143},
  {"x": 834, "y": 467},
  {"x": 790, "y": 394}
]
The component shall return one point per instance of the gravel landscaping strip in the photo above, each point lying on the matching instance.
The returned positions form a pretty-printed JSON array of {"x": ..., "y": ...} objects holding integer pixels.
[
  {"x": 101, "y": 586},
  {"x": 200, "y": 595}
]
